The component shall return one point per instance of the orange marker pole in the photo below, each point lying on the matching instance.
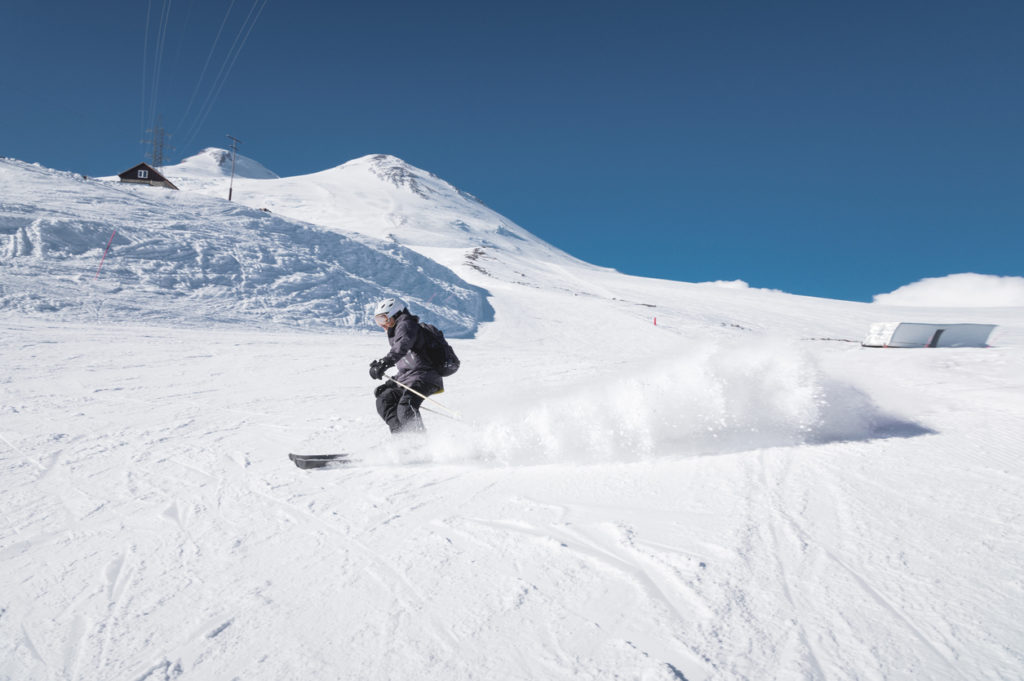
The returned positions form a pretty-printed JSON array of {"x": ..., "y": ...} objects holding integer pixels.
[{"x": 104, "y": 255}]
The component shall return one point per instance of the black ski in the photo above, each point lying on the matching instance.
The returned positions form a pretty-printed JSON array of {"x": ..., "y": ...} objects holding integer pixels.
[{"x": 306, "y": 461}]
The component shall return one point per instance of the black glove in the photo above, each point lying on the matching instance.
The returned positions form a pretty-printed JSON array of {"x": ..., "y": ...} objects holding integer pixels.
[{"x": 379, "y": 366}]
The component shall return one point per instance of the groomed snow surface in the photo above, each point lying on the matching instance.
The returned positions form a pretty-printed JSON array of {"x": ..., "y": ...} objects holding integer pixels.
[{"x": 740, "y": 491}]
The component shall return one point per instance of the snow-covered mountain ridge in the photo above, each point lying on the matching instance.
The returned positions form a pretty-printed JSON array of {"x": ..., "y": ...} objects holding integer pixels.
[
  {"x": 383, "y": 197},
  {"x": 187, "y": 258},
  {"x": 316, "y": 250},
  {"x": 215, "y": 163}
]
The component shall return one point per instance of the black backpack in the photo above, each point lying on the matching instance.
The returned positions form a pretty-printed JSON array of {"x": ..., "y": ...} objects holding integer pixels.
[{"x": 438, "y": 351}]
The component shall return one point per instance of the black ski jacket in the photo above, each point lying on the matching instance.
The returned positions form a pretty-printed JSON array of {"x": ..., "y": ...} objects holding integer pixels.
[{"x": 408, "y": 352}]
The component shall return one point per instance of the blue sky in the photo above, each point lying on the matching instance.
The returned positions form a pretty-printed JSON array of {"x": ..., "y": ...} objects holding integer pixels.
[{"x": 828, "y": 149}]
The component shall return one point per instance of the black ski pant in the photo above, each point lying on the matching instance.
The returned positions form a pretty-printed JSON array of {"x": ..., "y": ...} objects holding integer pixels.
[{"x": 400, "y": 408}]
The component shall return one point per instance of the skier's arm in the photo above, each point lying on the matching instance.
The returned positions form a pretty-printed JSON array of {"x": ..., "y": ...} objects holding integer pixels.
[{"x": 404, "y": 340}]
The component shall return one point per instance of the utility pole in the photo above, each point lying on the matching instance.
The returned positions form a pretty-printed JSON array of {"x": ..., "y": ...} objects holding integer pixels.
[
  {"x": 234, "y": 149},
  {"x": 156, "y": 156}
]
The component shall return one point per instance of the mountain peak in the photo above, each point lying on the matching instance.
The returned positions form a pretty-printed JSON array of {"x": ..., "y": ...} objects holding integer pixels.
[
  {"x": 402, "y": 174},
  {"x": 213, "y": 162},
  {"x": 377, "y": 195},
  {"x": 394, "y": 170}
]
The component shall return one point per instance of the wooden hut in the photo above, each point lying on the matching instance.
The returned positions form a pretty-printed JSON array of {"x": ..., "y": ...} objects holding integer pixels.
[{"x": 146, "y": 174}]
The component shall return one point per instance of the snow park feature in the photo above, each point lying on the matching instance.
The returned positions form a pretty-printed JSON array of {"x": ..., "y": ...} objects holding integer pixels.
[
  {"x": 921, "y": 335},
  {"x": 739, "y": 492}
]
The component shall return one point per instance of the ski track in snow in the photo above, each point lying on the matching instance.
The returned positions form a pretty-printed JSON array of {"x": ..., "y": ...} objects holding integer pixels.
[{"x": 156, "y": 530}]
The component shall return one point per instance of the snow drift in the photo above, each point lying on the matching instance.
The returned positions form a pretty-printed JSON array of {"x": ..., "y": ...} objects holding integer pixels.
[{"x": 193, "y": 259}]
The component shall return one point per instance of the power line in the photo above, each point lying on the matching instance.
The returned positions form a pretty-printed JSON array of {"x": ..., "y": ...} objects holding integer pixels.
[
  {"x": 145, "y": 75},
  {"x": 165, "y": 16},
  {"x": 229, "y": 61},
  {"x": 225, "y": 70},
  {"x": 202, "y": 74},
  {"x": 184, "y": 31}
]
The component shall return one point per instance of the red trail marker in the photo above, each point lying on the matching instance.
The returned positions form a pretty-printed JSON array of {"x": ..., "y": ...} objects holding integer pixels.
[{"x": 104, "y": 255}]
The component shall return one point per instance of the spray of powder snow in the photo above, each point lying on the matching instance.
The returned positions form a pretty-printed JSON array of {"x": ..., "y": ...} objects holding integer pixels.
[{"x": 708, "y": 400}]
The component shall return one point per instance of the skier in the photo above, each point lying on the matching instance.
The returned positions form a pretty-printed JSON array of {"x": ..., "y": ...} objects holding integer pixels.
[{"x": 400, "y": 408}]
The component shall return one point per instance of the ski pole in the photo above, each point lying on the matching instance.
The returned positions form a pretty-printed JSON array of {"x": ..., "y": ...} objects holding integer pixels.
[
  {"x": 424, "y": 407},
  {"x": 454, "y": 413}
]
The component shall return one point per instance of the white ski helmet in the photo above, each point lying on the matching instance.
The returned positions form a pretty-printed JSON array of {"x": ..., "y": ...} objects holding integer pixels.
[{"x": 389, "y": 307}]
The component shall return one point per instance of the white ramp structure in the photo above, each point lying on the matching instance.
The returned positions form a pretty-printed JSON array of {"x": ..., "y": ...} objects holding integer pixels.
[{"x": 918, "y": 335}]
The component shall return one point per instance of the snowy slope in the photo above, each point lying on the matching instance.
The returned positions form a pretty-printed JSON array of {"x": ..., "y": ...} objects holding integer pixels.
[
  {"x": 378, "y": 195},
  {"x": 213, "y": 164},
  {"x": 739, "y": 491},
  {"x": 386, "y": 198},
  {"x": 185, "y": 257}
]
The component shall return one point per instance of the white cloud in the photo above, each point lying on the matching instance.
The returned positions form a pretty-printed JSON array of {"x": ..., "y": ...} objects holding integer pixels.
[
  {"x": 735, "y": 284},
  {"x": 959, "y": 290}
]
